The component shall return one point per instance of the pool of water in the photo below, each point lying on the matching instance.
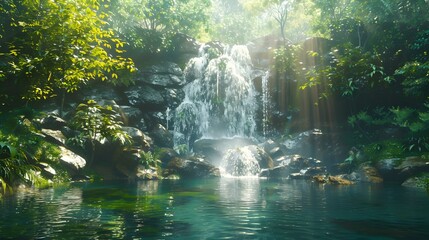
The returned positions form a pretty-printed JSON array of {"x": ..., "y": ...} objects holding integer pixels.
[{"x": 226, "y": 208}]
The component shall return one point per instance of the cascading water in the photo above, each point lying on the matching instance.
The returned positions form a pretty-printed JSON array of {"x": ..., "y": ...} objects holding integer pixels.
[
  {"x": 220, "y": 99},
  {"x": 240, "y": 162},
  {"x": 221, "y": 102},
  {"x": 265, "y": 103}
]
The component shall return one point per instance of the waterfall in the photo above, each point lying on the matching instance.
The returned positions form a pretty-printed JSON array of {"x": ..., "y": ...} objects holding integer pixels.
[
  {"x": 220, "y": 99},
  {"x": 265, "y": 103}
]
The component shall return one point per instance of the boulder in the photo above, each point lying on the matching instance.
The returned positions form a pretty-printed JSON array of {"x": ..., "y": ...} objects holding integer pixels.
[
  {"x": 275, "y": 150},
  {"x": 166, "y": 155},
  {"x": 53, "y": 122},
  {"x": 46, "y": 170},
  {"x": 140, "y": 140},
  {"x": 214, "y": 149},
  {"x": 412, "y": 166},
  {"x": 191, "y": 168},
  {"x": 73, "y": 163},
  {"x": 162, "y": 137},
  {"x": 54, "y": 136}
]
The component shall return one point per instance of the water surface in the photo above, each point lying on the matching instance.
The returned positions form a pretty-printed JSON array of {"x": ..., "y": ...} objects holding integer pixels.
[{"x": 227, "y": 208}]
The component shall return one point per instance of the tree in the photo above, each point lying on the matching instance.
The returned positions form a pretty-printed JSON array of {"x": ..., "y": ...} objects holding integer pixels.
[
  {"x": 52, "y": 47},
  {"x": 280, "y": 12},
  {"x": 152, "y": 24}
]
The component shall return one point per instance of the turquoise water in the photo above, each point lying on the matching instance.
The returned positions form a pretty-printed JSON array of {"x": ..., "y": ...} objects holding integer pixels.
[{"x": 224, "y": 208}]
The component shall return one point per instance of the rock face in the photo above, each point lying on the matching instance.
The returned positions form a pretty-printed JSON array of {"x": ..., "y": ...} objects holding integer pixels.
[
  {"x": 162, "y": 137},
  {"x": 145, "y": 97}
]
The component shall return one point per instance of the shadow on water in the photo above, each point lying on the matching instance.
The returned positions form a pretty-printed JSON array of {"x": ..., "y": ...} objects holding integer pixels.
[{"x": 381, "y": 228}]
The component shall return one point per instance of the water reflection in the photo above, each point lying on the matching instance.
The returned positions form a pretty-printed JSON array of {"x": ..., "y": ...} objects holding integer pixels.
[{"x": 227, "y": 208}]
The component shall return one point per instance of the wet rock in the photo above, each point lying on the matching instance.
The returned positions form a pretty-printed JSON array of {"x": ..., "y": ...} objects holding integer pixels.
[
  {"x": 191, "y": 168},
  {"x": 275, "y": 150},
  {"x": 214, "y": 149},
  {"x": 173, "y": 97},
  {"x": 335, "y": 180},
  {"x": 338, "y": 180},
  {"x": 308, "y": 173}
]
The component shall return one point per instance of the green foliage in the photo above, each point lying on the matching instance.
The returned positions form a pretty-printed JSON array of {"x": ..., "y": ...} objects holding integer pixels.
[
  {"x": 416, "y": 78},
  {"x": 56, "y": 46},
  {"x": 22, "y": 147},
  {"x": 153, "y": 24},
  {"x": 384, "y": 150},
  {"x": 286, "y": 60},
  {"x": 182, "y": 149},
  {"x": 97, "y": 123},
  {"x": 13, "y": 167},
  {"x": 350, "y": 69},
  {"x": 377, "y": 117},
  {"x": 149, "y": 160}
]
